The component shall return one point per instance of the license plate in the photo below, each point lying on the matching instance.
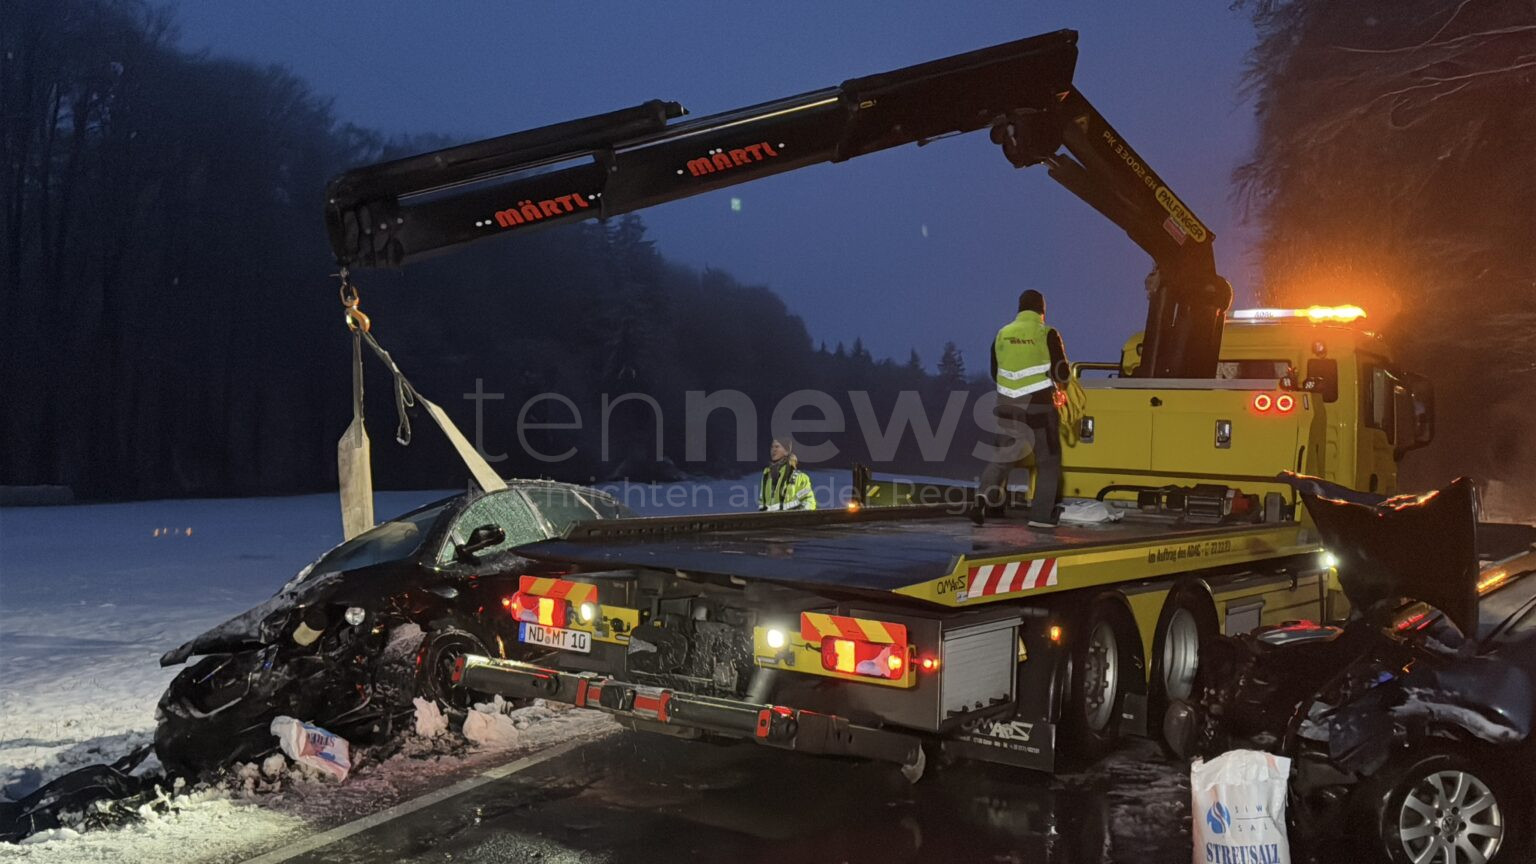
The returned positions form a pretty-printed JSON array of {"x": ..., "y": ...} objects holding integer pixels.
[{"x": 556, "y": 637}]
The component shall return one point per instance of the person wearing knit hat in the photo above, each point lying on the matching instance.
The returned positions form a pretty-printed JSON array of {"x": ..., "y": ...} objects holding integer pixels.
[{"x": 785, "y": 486}]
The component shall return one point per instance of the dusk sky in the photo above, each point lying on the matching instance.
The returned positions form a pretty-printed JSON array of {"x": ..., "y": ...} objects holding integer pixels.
[{"x": 907, "y": 248}]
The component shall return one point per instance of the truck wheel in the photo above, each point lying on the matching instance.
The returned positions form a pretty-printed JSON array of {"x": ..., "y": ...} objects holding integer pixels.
[
  {"x": 1441, "y": 807},
  {"x": 1187, "y": 625},
  {"x": 1100, "y": 668}
]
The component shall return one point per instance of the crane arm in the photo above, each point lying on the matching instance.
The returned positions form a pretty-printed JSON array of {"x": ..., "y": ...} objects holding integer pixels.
[{"x": 602, "y": 166}]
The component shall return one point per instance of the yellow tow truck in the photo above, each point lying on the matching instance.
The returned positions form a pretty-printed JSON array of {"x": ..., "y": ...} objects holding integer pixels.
[{"x": 896, "y": 626}]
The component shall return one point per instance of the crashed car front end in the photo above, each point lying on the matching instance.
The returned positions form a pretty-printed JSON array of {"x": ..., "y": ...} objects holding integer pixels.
[
  {"x": 1437, "y": 663},
  {"x": 306, "y": 662}
]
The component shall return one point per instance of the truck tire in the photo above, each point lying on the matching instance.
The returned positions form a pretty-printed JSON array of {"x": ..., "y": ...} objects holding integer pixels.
[
  {"x": 1101, "y": 664},
  {"x": 1187, "y": 625}
]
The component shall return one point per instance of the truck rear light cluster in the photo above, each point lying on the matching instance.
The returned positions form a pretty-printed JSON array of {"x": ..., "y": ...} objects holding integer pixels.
[
  {"x": 1264, "y": 403},
  {"x": 531, "y": 609},
  {"x": 870, "y": 659}
]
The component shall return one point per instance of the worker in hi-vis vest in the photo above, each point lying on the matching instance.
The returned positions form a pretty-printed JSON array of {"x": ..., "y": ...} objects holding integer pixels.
[
  {"x": 785, "y": 486},
  {"x": 1029, "y": 363}
]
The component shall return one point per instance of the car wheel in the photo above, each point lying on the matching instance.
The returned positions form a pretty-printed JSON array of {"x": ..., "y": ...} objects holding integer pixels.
[
  {"x": 1100, "y": 676},
  {"x": 1444, "y": 808},
  {"x": 440, "y": 651}
]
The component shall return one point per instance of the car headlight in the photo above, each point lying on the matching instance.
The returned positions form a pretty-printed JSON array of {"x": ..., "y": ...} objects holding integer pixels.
[{"x": 355, "y": 615}]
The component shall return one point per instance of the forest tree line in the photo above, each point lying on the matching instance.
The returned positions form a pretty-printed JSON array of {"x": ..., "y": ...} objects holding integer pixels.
[
  {"x": 168, "y": 326},
  {"x": 1393, "y": 169}
]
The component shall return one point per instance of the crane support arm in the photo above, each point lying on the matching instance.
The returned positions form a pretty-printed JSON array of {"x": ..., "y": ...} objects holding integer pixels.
[{"x": 602, "y": 166}]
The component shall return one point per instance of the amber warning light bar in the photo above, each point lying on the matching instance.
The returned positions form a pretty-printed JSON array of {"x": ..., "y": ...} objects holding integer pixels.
[{"x": 1315, "y": 314}]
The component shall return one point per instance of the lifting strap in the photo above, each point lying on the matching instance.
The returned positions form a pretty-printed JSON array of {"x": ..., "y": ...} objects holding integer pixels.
[
  {"x": 353, "y": 452},
  {"x": 354, "y": 457}
]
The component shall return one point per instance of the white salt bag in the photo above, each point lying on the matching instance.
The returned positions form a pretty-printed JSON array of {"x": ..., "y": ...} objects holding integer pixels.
[
  {"x": 1239, "y": 808},
  {"x": 310, "y": 745}
]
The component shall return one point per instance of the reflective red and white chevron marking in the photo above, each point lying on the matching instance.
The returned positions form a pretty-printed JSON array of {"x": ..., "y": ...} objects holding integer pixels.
[{"x": 1012, "y": 577}]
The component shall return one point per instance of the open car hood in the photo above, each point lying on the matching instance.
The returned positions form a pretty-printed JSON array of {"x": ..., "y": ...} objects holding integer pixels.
[{"x": 1420, "y": 547}]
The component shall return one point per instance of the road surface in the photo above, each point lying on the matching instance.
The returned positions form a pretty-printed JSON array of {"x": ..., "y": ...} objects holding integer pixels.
[{"x": 632, "y": 798}]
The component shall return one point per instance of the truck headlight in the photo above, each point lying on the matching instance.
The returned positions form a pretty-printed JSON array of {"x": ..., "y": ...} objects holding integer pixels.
[
  {"x": 587, "y": 612},
  {"x": 355, "y": 615},
  {"x": 1330, "y": 560},
  {"x": 775, "y": 638}
]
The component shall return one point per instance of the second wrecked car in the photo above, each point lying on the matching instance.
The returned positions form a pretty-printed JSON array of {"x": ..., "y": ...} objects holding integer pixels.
[{"x": 1410, "y": 727}]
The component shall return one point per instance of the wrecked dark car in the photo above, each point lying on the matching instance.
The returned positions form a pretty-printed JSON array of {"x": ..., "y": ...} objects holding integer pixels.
[
  {"x": 1410, "y": 726},
  {"x": 351, "y": 640}
]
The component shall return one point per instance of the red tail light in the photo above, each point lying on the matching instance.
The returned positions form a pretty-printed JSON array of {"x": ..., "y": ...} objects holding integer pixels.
[
  {"x": 1262, "y": 402},
  {"x": 532, "y": 609},
  {"x": 857, "y": 657},
  {"x": 1284, "y": 403}
]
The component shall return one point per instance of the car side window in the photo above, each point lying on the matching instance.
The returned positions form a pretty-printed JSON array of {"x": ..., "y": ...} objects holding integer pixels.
[
  {"x": 561, "y": 506},
  {"x": 607, "y": 508},
  {"x": 508, "y": 510}
]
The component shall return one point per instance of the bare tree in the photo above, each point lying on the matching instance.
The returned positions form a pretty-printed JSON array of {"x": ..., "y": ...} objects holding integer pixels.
[{"x": 1392, "y": 168}]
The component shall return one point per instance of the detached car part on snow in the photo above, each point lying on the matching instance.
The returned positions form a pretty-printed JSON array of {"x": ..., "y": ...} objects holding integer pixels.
[
  {"x": 349, "y": 642},
  {"x": 1411, "y": 726}
]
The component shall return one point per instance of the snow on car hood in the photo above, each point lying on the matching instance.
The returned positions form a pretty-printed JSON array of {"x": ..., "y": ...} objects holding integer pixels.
[{"x": 245, "y": 629}]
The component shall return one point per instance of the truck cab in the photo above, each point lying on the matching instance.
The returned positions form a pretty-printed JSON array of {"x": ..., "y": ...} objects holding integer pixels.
[{"x": 1308, "y": 390}]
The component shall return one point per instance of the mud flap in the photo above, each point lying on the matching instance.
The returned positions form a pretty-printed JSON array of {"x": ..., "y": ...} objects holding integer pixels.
[
  {"x": 1020, "y": 743},
  {"x": 1133, "y": 714}
]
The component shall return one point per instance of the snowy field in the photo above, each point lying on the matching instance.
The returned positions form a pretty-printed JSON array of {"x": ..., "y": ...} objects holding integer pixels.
[{"x": 92, "y": 595}]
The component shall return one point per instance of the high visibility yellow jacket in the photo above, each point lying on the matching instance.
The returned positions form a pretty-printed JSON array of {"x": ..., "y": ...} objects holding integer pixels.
[
  {"x": 786, "y": 488},
  {"x": 1023, "y": 356}
]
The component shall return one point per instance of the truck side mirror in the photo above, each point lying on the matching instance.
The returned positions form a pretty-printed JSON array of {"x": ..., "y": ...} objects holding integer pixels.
[
  {"x": 1423, "y": 392},
  {"x": 1404, "y": 425},
  {"x": 1323, "y": 378}
]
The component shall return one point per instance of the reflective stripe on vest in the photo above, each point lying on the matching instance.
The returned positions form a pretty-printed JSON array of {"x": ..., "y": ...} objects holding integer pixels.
[
  {"x": 1023, "y": 356},
  {"x": 1027, "y": 389}
]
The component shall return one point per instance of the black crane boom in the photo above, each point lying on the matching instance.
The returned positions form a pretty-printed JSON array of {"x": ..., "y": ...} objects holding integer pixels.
[{"x": 597, "y": 167}]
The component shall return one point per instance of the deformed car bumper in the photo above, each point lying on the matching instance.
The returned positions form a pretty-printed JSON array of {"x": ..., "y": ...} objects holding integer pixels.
[{"x": 670, "y": 711}]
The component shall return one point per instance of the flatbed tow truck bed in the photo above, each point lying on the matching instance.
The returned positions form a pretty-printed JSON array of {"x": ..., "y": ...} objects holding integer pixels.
[
  {"x": 731, "y": 625},
  {"x": 922, "y": 554}
]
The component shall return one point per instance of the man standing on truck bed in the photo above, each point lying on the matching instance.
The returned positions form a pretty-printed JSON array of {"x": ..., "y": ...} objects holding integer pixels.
[{"x": 1028, "y": 362}]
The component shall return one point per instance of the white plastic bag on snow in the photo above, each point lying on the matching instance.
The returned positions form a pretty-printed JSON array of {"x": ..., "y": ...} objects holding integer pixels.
[
  {"x": 1239, "y": 808},
  {"x": 310, "y": 745}
]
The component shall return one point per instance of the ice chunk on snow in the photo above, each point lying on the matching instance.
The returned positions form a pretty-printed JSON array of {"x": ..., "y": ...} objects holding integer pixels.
[
  {"x": 489, "y": 730},
  {"x": 274, "y": 765},
  {"x": 488, "y": 725},
  {"x": 50, "y": 835},
  {"x": 430, "y": 721}
]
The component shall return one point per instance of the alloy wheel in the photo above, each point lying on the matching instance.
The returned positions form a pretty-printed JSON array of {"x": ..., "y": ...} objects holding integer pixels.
[{"x": 1450, "y": 817}]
